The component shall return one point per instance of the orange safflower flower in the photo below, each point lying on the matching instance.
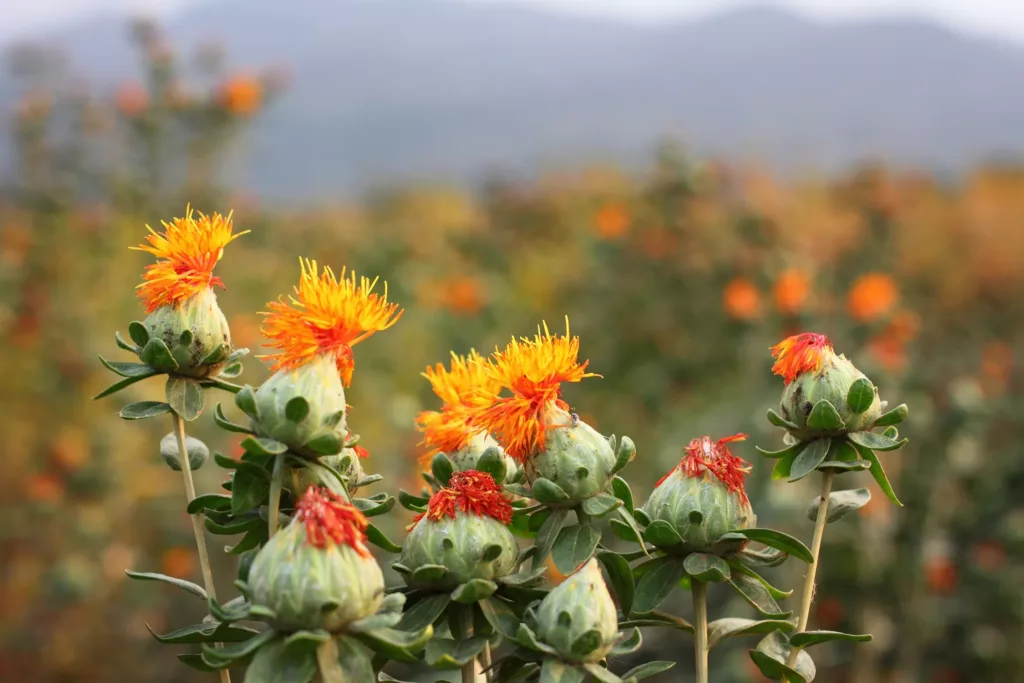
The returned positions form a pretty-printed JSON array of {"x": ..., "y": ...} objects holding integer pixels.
[
  {"x": 188, "y": 250},
  {"x": 941, "y": 575},
  {"x": 242, "y": 94},
  {"x": 871, "y": 296},
  {"x": 328, "y": 314},
  {"x": 472, "y": 492},
  {"x": 178, "y": 562},
  {"x": 704, "y": 455},
  {"x": 464, "y": 388},
  {"x": 612, "y": 221},
  {"x": 741, "y": 299},
  {"x": 799, "y": 354},
  {"x": 791, "y": 291},
  {"x": 463, "y": 295},
  {"x": 131, "y": 99},
  {"x": 329, "y": 518},
  {"x": 533, "y": 370},
  {"x": 45, "y": 488}
]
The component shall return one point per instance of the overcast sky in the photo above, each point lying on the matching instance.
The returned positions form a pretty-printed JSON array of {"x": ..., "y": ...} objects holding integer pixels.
[{"x": 1000, "y": 18}]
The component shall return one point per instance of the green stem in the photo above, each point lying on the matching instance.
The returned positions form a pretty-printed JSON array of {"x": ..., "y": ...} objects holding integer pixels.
[
  {"x": 485, "y": 661},
  {"x": 198, "y": 526},
  {"x": 466, "y": 626},
  {"x": 699, "y": 589},
  {"x": 276, "y": 483},
  {"x": 327, "y": 662},
  {"x": 812, "y": 570}
]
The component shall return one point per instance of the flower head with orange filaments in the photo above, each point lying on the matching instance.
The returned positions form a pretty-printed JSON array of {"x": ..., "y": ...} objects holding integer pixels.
[
  {"x": 533, "y": 370},
  {"x": 705, "y": 455},
  {"x": 467, "y": 386},
  {"x": 328, "y": 314},
  {"x": 187, "y": 252},
  {"x": 471, "y": 492},
  {"x": 799, "y": 354},
  {"x": 328, "y": 518}
]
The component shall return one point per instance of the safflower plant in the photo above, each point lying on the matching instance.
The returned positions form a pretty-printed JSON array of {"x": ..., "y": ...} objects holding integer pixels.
[{"x": 505, "y": 463}]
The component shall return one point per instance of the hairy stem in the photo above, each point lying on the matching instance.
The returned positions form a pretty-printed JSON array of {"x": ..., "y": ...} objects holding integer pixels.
[
  {"x": 276, "y": 483},
  {"x": 699, "y": 589},
  {"x": 198, "y": 527},
  {"x": 812, "y": 570}
]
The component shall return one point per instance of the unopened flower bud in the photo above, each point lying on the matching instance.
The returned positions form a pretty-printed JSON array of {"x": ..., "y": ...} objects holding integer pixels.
[
  {"x": 198, "y": 453},
  {"x": 317, "y": 572},
  {"x": 467, "y": 457},
  {"x": 575, "y": 456},
  {"x": 578, "y": 606},
  {"x": 318, "y": 384},
  {"x": 196, "y": 333}
]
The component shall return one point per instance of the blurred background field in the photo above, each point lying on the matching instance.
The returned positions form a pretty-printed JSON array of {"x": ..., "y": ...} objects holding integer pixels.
[{"x": 678, "y": 270}]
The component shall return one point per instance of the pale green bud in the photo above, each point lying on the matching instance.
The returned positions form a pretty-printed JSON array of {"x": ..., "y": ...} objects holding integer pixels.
[
  {"x": 318, "y": 383},
  {"x": 578, "y": 617},
  {"x": 192, "y": 331},
  {"x": 575, "y": 457},
  {"x": 469, "y": 546}
]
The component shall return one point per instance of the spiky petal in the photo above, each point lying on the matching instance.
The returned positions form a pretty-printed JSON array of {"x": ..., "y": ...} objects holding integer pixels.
[
  {"x": 704, "y": 455},
  {"x": 533, "y": 371},
  {"x": 799, "y": 354},
  {"x": 472, "y": 492},
  {"x": 187, "y": 251},
  {"x": 329, "y": 518},
  {"x": 327, "y": 315}
]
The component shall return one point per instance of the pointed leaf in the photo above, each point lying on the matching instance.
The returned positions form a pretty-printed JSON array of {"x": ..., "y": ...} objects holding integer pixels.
[
  {"x": 206, "y": 633},
  {"x": 779, "y": 421},
  {"x": 400, "y": 646},
  {"x": 624, "y": 454},
  {"x": 707, "y": 568},
  {"x": 546, "y": 535},
  {"x": 555, "y": 671},
  {"x": 784, "y": 466},
  {"x": 127, "y": 369},
  {"x": 879, "y": 474},
  {"x": 246, "y": 401},
  {"x": 217, "y": 355},
  {"x": 424, "y": 613},
  {"x": 771, "y": 655},
  {"x": 769, "y": 557},
  {"x": 662, "y": 534},
  {"x": 620, "y": 579},
  {"x": 659, "y": 579},
  {"x": 411, "y": 502},
  {"x": 625, "y": 531},
  {"x": 740, "y": 568},
  {"x": 429, "y": 572},
  {"x": 278, "y": 662},
  {"x": 720, "y": 629},
  {"x": 622, "y": 491},
  {"x": 185, "y": 396},
  {"x": 602, "y": 674},
  {"x": 790, "y": 451},
  {"x": 249, "y": 488},
  {"x": 779, "y": 540},
  {"x": 600, "y": 504},
  {"x": 224, "y": 423},
  {"x": 546, "y": 491},
  {"x": 138, "y": 333},
  {"x": 122, "y": 344},
  {"x": 474, "y": 590},
  {"x": 893, "y": 417},
  {"x": 646, "y": 671},
  {"x": 840, "y": 504},
  {"x": 500, "y": 616},
  {"x": 754, "y": 592},
  {"x": 825, "y": 418},
  {"x": 127, "y": 382},
  {"x": 574, "y": 546},
  {"x": 209, "y": 501},
  {"x": 810, "y": 638},
  {"x": 180, "y": 583},
  {"x": 144, "y": 410},
  {"x": 447, "y": 653},
  {"x": 442, "y": 468},
  {"x": 156, "y": 354},
  {"x": 326, "y": 443},
  {"x": 528, "y": 639},
  {"x": 493, "y": 463},
  {"x": 628, "y": 645},
  {"x": 240, "y": 650},
  {"x": 876, "y": 442}
]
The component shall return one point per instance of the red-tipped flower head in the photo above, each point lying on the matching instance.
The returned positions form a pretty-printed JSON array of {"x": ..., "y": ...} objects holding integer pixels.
[
  {"x": 705, "y": 455},
  {"x": 472, "y": 492},
  {"x": 799, "y": 354},
  {"x": 329, "y": 518}
]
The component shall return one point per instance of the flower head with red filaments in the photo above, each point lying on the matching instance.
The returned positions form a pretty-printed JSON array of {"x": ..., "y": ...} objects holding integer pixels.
[
  {"x": 464, "y": 388},
  {"x": 328, "y": 518},
  {"x": 472, "y": 492},
  {"x": 799, "y": 354},
  {"x": 533, "y": 371},
  {"x": 187, "y": 251},
  {"x": 328, "y": 314},
  {"x": 705, "y": 455}
]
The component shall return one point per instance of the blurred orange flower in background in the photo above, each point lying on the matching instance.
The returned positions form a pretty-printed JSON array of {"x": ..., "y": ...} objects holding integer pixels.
[
  {"x": 871, "y": 296},
  {"x": 463, "y": 295},
  {"x": 45, "y": 488},
  {"x": 741, "y": 299},
  {"x": 131, "y": 99},
  {"x": 941, "y": 575},
  {"x": 241, "y": 94},
  {"x": 178, "y": 562},
  {"x": 791, "y": 291},
  {"x": 612, "y": 221},
  {"x": 996, "y": 361}
]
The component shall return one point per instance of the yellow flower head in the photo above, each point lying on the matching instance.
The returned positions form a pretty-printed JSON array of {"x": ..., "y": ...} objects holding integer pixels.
[
  {"x": 533, "y": 370},
  {"x": 188, "y": 250},
  {"x": 467, "y": 386},
  {"x": 327, "y": 315}
]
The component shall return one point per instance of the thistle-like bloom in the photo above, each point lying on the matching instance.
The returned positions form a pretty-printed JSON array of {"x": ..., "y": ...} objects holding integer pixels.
[
  {"x": 533, "y": 371},
  {"x": 705, "y": 455},
  {"x": 188, "y": 250},
  {"x": 327, "y": 315},
  {"x": 472, "y": 492},
  {"x": 464, "y": 388},
  {"x": 330, "y": 519},
  {"x": 799, "y": 354}
]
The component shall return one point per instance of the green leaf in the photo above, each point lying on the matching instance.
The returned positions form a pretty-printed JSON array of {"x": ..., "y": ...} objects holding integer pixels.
[
  {"x": 620, "y": 578},
  {"x": 600, "y": 504},
  {"x": 372, "y": 508},
  {"x": 474, "y": 590},
  {"x": 546, "y": 535},
  {"x": 755, "y": 593},
  {"x": 528, "y": 639},
  {"x": 326, "y": 443},
  {"x": 500, "y": 616},
  {"x": 144, "y": 410},
  {"x": 256, "y": 536},
  {"x": 156, "y": 355},
  {"x": 180, "y": 583},
  {"x": 769, "y": 557},
  {"x": 263, "y": 446},
  {"x": 399, "y": 646},
  {"x": 825, "y": 418},
  {"x": 355, "y": 663},
  {"x": 809, "y": 458},
  {"x": 730, "y": 627},
  {"x": 840, "y": 504},
  {"x": 246, "y": 401},
  {"x": 205, "y": 633},
  {"x": 381, "y": 619},
  {"x": 662, "y": 534},
  {"x": 740, "y": 568},
  {"x": 442, "y": 469},
  {"x": 658, "y": 619},
  {"x": 893, "y": 417},
  {"x": 217, "y": 355},
  {"x": 240, "y": 650},
  {"x": 891, "y": 432},
  {"x": 861, "y": 395},
  {"x": 647, "y": 670},
  {"x": 424, "y": 613},
  {"x": 296, "y": 409},
  {"x": 548, "y": 492},
  {"x": 377, "y": 537},
  {"x": 127, "y": 369},
  {"x": 493, "y": 463},
  {"x": 411, "y": 502},
  {"x": 622, "y": 491},
  {"x": 624, "y": 531},
  {"x": 138, "y": 333},
  {"x": 624, "y": 454},
  {"x": 249, "y": 488},
  {"x": 537, "y": 519},
  {"x": 127, "y": 382},
  {"x": 810, "y": 638},
  {"x": 879, "y": 474},
  {"x": 185, "y": 396},
  {"x": 780, "y": 541},
  {"x": 194, "y": 661},
  {"x": 524, "y": 578},
  {"x": 209, "y": 501},
  {"x": 585, "y": 643},
  {"x": 224, "y": 423},
  {"x": 231, "y": 371},
  {"x": 574, "y": 546},
  {"x": 771, "y": 656},
  {"x": 555, "y": 671},
  {"x": 707, "y": 568},
  {"x": 447, "y": 653},
  {"x": 628, "y": 645},
  {"x": 277, "y": 662},
  {"x": 602, "y": 674},
  {"x": 791, "y": 452},
  {"x": 121, "y": 343},
  {"x": 876, "y": 442},
  {"x": 429, "y": 572},
  {"x": 779, "y": 421},
  {"x": 659, "y": 579},
  {"x": 784, "y": 466}
]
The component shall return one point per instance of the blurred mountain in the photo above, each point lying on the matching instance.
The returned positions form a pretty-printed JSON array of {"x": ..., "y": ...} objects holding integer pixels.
[{"x": 399, "y": 88}]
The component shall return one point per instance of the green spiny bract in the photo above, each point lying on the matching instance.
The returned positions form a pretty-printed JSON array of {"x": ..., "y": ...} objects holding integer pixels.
[
  {"x": 578, "y": 618},
  {"x": 461, "y": 545},
  {"x": 575, "y": 457},
  {"x": 195, "y": 332}
]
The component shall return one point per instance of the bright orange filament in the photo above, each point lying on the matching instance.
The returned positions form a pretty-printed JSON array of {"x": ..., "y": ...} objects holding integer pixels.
[
  {"x": 705, "y": 455},
  {"x": 328, "y": 518},
  {"x": 472, "y": 492},
  {"x": 799, "y": 354}
]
